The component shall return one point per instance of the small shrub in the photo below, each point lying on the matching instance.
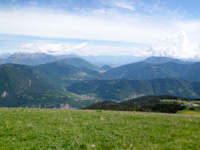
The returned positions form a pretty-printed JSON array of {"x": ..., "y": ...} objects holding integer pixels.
[{"x": 191, "y": 108}]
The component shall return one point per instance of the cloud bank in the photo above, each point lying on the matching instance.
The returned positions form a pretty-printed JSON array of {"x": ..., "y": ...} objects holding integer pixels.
[
  {"x": 112, "y": 21},
  {"x": 54, "y": 49},
  {"x": 80, "y": 49},
  {"x": 61, "y": 25},
  {"x": 175, "y": 46}
]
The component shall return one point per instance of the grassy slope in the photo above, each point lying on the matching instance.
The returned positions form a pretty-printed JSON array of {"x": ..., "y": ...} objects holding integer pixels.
[
  {"x": 71, "y": 129},
  {"x": 187, "y": 111}
]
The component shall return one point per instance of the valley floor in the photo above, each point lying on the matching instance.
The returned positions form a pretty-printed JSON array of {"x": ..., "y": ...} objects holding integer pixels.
[{"x": 22, "y": 128}]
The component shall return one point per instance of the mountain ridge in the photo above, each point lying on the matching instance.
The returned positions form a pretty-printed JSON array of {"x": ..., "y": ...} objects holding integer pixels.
[
  {"x": 28, "y": 58},
  {"x": 143, "y": 71},
  {"x": 121, "y": 89},
  {"x": 162, "y": 60},
  {"x": 79, "y": 63},
  {"x": 64, "y": 81}
]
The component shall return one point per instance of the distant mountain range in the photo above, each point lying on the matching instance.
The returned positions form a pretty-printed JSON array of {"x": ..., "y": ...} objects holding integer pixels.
[
  {"x": 28, "y": 59},
  {"x": 163, "y": 60},
  {"x": 143, "y": 70},
  {"x": 118, "y": 90},
  {"x": 40, "y": 86},
  {"x": 79, "y": 63},
  {"x": 106, "y": 67},
  {"x": 49, "y": 81},
  {"x": 41, "y": 58},
  {"x": 21, "y": 86}
]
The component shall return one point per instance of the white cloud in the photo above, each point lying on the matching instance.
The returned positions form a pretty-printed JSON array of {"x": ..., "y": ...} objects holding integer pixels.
[
  {"x": 176, "y": 46},
  {"x": 145, "y": 24},
  {"x": 54, "y": 48},
  {"x": 192, "y": 28},
  {"x": 125, "y": 5},
  {"x": 103, "y": 26},
  {"x": 108, "y": 24},
  {"x": 82, "y": 49}
]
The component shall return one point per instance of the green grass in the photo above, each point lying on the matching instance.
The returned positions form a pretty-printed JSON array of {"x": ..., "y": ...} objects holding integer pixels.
[
  {"x": 180, "y": 101},
  {"x": 76, "y": 129},
  {"x": 195, "y": 102},
  {"x": 187, "y": 111},
  {"x": 185, "y": 103}
]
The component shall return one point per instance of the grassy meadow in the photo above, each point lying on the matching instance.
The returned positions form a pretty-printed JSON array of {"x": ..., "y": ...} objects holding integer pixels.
[
  {"x": 22, "y": 128},
  {"x": 187, "y": 111}
]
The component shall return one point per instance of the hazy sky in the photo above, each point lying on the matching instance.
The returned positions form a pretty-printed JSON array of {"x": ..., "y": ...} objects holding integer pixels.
[{"x": 101, "y": 27}]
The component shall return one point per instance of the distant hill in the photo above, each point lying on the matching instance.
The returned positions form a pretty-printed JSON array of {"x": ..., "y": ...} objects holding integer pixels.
[
  {"x": 162, "y": 60},
  {"x": 143, "y": 70},
  {"x": 103, "y": 106},
  {"x": 79, "y": 63},
  {"x": 118, "y": 90},
  {"x": 22, "y": 86},
  {"x": 146, "y": 103},
  {"x": 61, "y": 72},
  {"x": 106, "y": 67},
  {"x": 42, "y": 85},
  {"x": 150, "y": 99},
  {"x": 140, "y": 70},
  {"x": 28, "y": 58}
]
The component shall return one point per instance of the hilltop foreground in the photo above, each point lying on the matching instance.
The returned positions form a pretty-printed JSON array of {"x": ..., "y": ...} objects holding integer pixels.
[{"x": 22, "y": 128}]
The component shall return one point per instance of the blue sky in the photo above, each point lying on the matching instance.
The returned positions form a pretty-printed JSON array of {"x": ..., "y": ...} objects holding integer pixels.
[{"x": 101, "y": 27}]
